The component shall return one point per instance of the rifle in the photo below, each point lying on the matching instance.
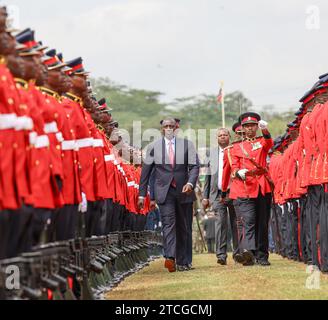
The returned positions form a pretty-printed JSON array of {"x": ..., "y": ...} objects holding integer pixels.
[
  {"x": 29, "y": 282},
  {"x": 54, "y": 271}
]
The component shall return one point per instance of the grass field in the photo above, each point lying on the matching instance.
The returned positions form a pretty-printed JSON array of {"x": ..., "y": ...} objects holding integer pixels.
[{"x": 284, "y": 280}]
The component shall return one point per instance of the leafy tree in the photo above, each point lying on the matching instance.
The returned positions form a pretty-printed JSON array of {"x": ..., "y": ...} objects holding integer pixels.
[{"x": 196, "y": 112}]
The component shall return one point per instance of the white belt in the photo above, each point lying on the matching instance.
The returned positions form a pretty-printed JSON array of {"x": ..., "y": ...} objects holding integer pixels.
[
  {"x": 33, "y": 137},
  {"x": 42, "y": 142},
  {"x": 59, "y": 137},
  {"x": 69, "y": 145},
  {"x": 24, "y": 123},
  {"x": 98, "y": 143},
  {"x": 51, "y": 127},
  {"x": 131, "y": 184},
  {"x": 84, "y": 143},
  {"x": 7, "y": 121}
]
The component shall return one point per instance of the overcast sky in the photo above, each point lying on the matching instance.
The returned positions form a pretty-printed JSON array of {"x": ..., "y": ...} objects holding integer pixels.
[{"x": 272, "y": 50}]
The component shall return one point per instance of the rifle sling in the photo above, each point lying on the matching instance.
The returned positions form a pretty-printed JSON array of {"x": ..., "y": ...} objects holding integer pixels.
[{"x": 267, "y": 177}]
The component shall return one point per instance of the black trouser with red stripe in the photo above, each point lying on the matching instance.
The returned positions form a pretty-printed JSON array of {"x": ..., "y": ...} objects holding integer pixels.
[
  {"x": 4, "y": 232},
  {"x": 305, "y": 229},
  {"x": 254, "y": 214},
  {"x": 315, "y": 202},
  {"x": 324, "y": 230},
  {"x": 276, "y": 217},
  {"x": 291, "y": 211}
]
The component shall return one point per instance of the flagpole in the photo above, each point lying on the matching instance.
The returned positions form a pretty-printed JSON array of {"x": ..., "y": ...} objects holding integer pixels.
[{"x": 222, "y": 106}]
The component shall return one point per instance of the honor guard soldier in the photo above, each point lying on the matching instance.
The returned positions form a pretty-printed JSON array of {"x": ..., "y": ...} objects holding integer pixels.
[{"x": 251, "y": 188}]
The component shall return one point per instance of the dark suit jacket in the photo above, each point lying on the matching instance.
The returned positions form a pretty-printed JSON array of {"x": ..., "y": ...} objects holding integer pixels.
[
  {"x": 186, "y": 170},
  {"x": 211, "y": 191}
]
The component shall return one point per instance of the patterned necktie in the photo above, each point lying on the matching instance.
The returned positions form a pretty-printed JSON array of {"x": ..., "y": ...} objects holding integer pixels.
[
  {"x": 172, "y": 161},
  {"x": 171, "y": 154}
]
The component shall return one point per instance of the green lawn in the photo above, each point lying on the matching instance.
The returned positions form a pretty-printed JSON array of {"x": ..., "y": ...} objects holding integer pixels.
[{"x": 284, "y": 280}]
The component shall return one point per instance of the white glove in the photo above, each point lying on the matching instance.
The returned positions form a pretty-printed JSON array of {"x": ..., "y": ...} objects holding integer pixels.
[
  {"x": 83, "y": 207},
  {"x": 263, "y": 125},
  {"x": 242, "y": 174}
]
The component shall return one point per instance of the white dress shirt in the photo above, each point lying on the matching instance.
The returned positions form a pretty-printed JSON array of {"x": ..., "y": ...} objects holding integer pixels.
[
  {"x": 220, "y": 171},
  {"x": 167, "y": 143}
]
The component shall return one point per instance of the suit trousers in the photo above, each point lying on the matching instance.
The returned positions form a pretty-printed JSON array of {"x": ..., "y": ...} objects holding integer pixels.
[
  {"x": 210, "y": 245},
  {"x": 223, "y": 213},
  {"x": 255, "y": 215},
  {"x": 174, "y": 219}
]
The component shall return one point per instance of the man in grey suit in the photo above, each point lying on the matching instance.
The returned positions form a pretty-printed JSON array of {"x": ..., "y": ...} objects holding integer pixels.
[
  {"x": 212, "y": 197},
  {"x": 175, "y": 167}
]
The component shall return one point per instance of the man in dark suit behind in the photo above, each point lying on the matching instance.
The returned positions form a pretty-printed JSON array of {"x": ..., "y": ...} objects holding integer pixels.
[{"x": 176, "y": 170}]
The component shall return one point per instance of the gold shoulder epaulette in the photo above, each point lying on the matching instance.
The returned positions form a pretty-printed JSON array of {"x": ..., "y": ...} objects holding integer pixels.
[
  {"x": 21, "y": 83},
  {"x": 74, "y": 98},
  {"x": 50, "y": 93}
]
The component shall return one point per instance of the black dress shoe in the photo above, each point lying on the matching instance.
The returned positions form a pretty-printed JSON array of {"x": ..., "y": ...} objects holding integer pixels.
[
  {"x": 248, "y": 258},
  {"x": 222, "y": 261},
  {"x": 182, "y": 268},
  {"x": 263, "y": 263}
]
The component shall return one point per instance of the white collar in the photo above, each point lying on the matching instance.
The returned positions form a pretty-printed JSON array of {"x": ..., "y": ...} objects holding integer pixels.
[{"x": 167, "y": 141}]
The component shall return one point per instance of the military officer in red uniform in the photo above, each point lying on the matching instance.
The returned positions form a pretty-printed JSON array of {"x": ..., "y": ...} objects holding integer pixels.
[
  {"x": 8, "y": 106},
  {"x": 251, "y": 188},
  {"x": 60, "y": 126}
]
